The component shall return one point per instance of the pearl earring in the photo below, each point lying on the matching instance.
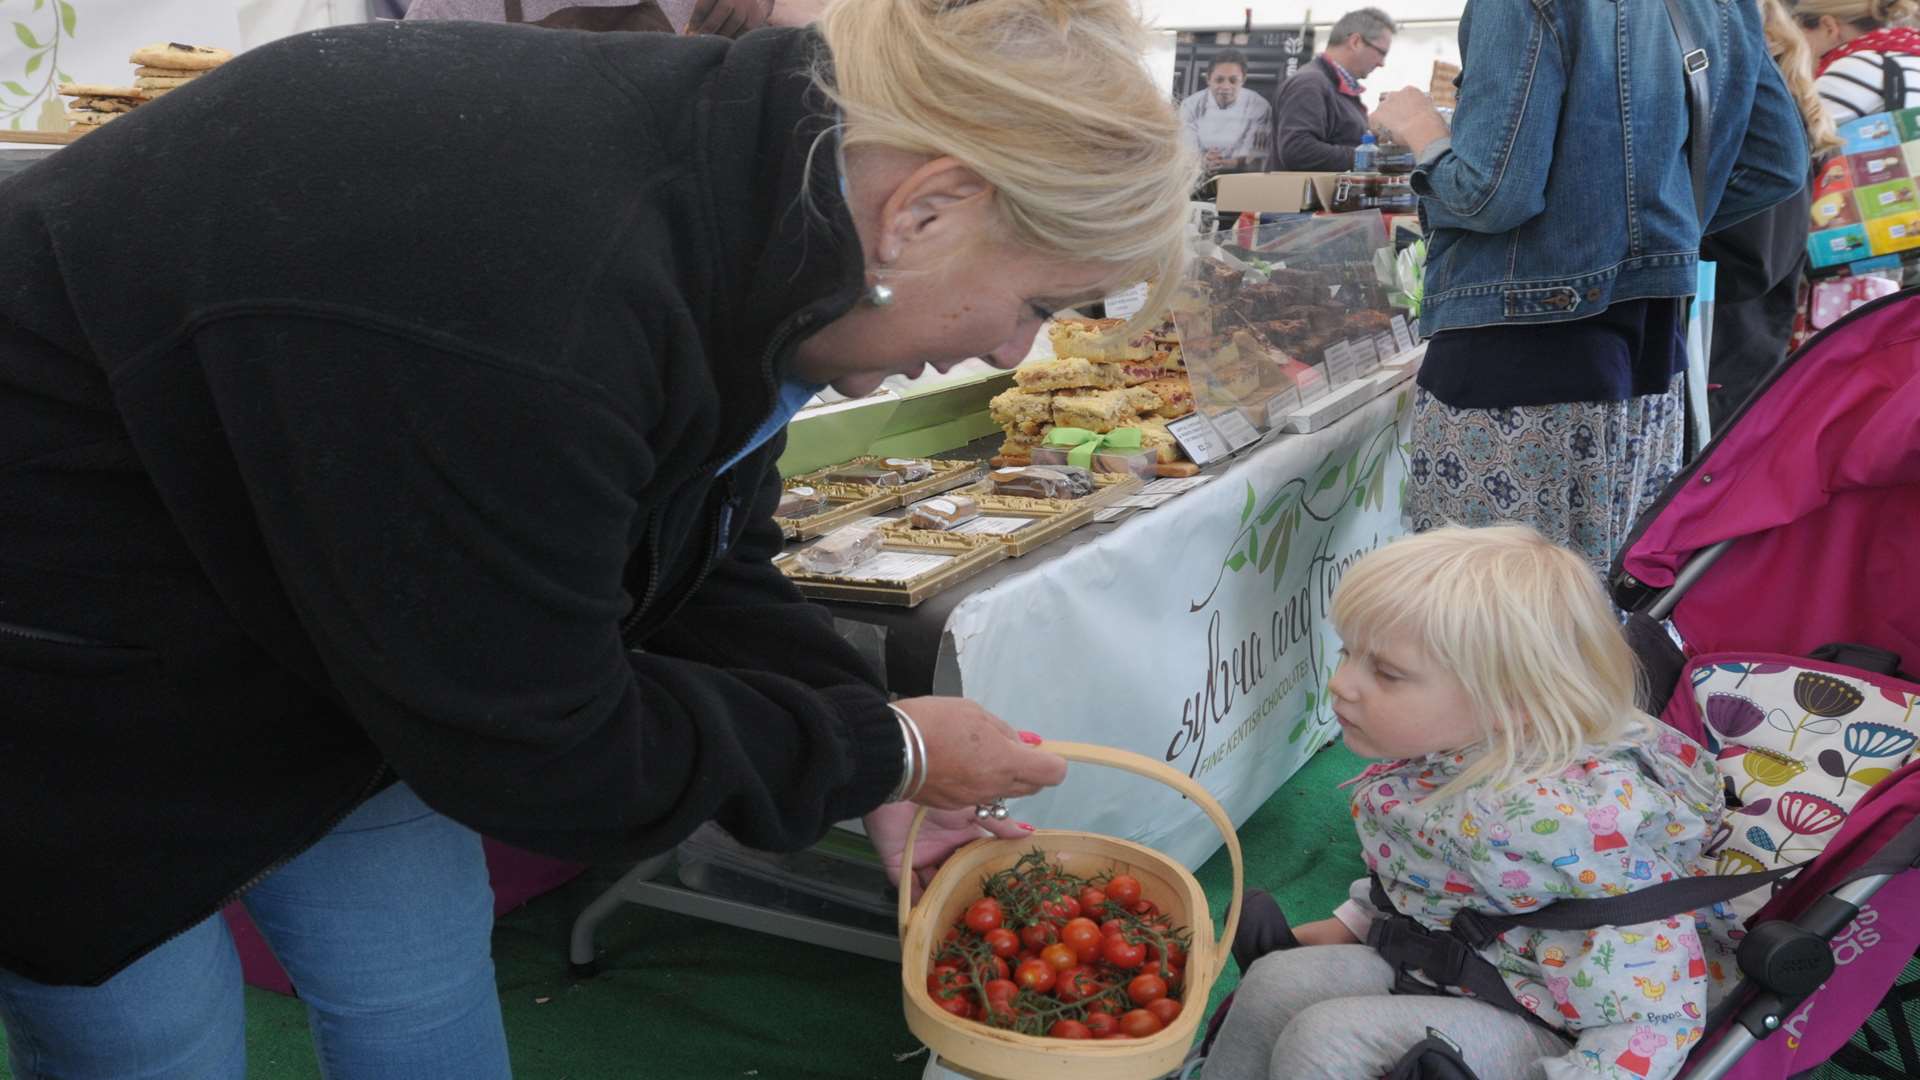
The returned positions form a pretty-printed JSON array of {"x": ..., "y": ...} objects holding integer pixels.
[{"x": 879, "y": 295}]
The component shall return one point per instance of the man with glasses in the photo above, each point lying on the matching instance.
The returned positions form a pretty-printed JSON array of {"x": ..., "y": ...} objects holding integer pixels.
[
  {"x": 1318, "y": 117},
  {"x": 1229, "y": 126}
]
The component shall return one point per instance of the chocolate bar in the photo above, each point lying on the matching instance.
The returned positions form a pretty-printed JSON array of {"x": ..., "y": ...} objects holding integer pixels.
[
  {"x": 944, "y": 513},
  {"x": 840, "y": 550}
]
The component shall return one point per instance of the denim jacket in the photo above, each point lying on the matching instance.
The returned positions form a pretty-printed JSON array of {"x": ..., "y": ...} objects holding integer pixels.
[{"x": 1564, "y": 186}]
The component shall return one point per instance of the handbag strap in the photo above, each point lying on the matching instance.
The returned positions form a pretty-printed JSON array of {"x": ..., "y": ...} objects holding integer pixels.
[
  {"x": 1893, "y": 82},
  {"x": 1699, "y": 107}
]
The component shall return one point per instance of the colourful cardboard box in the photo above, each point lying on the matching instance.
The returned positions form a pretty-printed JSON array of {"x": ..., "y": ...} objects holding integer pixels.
[
  {"x": 1878, "y": 166},
  {"x": 1890, "y": 234},
  {"x": 1833, "y": 177},
  {"x": 1886, "y": 200},
  {"x": 1906, "y": 123},
  {"x": 1834, "y": 209},
  {"x": 1868, "y": 133},
  {"x": 1837, "y": 247}
]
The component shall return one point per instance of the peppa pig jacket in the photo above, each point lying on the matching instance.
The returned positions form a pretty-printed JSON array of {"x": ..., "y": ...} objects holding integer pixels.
[{"x": 1634, "y": 998}]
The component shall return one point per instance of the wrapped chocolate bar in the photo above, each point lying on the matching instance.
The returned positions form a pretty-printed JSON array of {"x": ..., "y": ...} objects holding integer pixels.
[
  {"x": 944, "y": 512},
  {"x": 864, "y": 475},
  {"x": 840, "y": 550},
  {"x": 1043, "y": 482},
  {"x": 911, "y": 470},
  {"x": 799, "y": 502}
]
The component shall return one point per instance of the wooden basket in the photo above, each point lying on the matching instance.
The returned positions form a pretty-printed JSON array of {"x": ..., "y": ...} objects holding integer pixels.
[{"x": 987, "y": 1053}]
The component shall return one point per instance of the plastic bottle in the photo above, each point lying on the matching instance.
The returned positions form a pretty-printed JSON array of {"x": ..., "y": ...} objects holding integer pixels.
[{"x": 1363, "y": 155}]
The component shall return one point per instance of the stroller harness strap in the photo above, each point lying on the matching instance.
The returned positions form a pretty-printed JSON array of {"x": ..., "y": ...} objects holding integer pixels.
[{"x": 1451, "y": 957}]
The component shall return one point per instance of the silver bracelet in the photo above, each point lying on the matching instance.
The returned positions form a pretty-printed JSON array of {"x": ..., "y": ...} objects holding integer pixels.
[{"x": 914, "y": 757}]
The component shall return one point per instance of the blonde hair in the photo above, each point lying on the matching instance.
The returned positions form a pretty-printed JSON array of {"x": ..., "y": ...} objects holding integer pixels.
[
  {"x": 1863, "y": 14},
  {"x": 1522, "y": 623},
  {"x": 1794, "y": 57},
  {"x": 1049, "y": 101}
]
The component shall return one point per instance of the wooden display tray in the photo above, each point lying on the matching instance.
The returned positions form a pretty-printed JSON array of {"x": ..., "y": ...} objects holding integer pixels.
[
  {"x": 969, "y": 558},
  {"x": 851, "y": 502},
  {"x": 846, "y": 503},
  {"x": 1108, "y": 489},
  {"x": 1052, "y": 519},
  {"x": 43, "y": 138}
]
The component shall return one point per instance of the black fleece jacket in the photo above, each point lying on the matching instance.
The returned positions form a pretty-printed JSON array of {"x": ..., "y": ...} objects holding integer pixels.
[{"x": 362, "y": 413}]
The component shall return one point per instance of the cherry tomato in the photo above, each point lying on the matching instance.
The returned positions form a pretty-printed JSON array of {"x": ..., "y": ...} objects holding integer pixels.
[
  {"x": 958, "y": 1005},
  {"x": 944, "y": 981},
  {"x": 1004, "y": 942},
  {"x": 997, "y": 968},
  {"x": 1124, "y": 890},
  {"x": 1035, "y": 975},
  {"x": 1146, "y": 989},
  {"x": 1176, "y": 956},
  {"x": 1063, "y": 909},
  {"x": 1038, "y": 936},
  {"x": 1059, "y": 957},
  {"x": 1110, "y": 928},
  {"x": 1145, "y": 909},
  {"x": 1069, "y": 1029},
  {"x": 1084, "y": 938},
  {"x": 1001, "y": 991},
  {"x": 1093, "y": 902},
  {"x": 1122, "y": 953},
  {"x": 1101, "y": 1024},
  {"x": 1167, "y": 1009},
  {"x": 1077, "y": 984},
  {"x": 1140, "y": 1023},
  {"x": 1022, "y": 957},
  {"x": 984, "y": 915}
]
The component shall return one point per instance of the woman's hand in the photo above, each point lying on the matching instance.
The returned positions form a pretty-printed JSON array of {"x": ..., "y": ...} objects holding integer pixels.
[
  {"x": 943, "y": 833},
  {"x": 729, "y": 18},
  {"x": 1408, "y": 117},
  {"x": 975, "y": 757}
]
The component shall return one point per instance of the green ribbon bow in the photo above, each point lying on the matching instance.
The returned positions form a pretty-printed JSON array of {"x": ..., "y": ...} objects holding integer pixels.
[{"x": 1084, "y": 444}]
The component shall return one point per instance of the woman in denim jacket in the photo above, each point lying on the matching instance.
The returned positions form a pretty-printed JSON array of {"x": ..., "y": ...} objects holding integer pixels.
[{"x": 1563, "y": 245}]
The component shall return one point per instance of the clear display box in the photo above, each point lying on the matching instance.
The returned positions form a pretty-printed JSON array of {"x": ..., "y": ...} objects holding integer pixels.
[{"x": 1277, "y": 317}]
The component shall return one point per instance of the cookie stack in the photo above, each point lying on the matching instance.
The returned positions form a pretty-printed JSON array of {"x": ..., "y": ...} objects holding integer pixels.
[
  {"x": 1100, "y": 379},
  {"x": 158, "y": 69},
  {"x": 166, "y": 67},
  {"x": 94, "y": 105}
]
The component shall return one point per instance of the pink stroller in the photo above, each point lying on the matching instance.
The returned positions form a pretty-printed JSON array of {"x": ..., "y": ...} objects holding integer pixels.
[{"x": 1787, "y": 536}]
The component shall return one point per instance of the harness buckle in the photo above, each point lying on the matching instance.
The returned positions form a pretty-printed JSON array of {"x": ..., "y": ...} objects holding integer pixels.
[{"x": 1696, "y": 61}]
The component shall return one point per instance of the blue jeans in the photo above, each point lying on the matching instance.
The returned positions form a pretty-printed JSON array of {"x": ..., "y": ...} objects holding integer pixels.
[{"x": 386, "y": 928}]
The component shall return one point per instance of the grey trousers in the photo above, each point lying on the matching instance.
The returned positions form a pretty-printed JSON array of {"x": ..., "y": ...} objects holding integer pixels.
[{"x": 1325, "y": 1012}]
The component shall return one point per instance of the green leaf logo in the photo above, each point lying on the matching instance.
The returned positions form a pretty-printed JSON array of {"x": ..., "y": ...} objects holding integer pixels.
[
  {"x": 25, "y": 35},
  {"x": 68, "y": 17}
]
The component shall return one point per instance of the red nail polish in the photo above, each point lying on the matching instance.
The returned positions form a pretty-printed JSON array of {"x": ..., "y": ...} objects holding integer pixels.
[
  {"x": 1024, "y": 825},
  {"x": 1030, "y": 738}
]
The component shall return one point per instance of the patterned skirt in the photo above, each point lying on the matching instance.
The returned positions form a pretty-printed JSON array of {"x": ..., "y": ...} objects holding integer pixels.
[{"x": 1581, "y": 473}]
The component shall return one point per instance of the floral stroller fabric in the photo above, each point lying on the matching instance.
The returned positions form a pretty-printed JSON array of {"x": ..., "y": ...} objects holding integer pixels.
[{"x": 1783, "y": 558}]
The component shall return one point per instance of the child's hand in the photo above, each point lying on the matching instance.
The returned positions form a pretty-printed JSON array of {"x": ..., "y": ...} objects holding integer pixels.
[{"x": 1325, "y": 932}]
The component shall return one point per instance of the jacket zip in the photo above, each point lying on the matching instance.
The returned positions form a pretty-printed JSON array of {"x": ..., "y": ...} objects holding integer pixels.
[
  {"x": 631, "y": 624},
  {"x": 53, "y": 637},
  {"x": 366, "y": 792}
]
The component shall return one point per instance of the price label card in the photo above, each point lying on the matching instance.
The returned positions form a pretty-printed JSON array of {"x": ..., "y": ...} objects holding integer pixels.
[
  {"x": 1386, "y": 346},
  {"x": 1125, "y": 303},
  {"x": 1339, "y": 360},
  {"x": 1112, "y": 513},
  {"x": 1402, "y": 336},
  {"x": 1236, "y": 430},
  {"x": 994, "y": 526},
  {"x": 1366, "y": 360},
  {"x": 1196, "y": 436}
]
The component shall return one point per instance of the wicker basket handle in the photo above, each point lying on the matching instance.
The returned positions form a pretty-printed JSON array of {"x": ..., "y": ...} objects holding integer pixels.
[{"x": 1125, "y": 761}]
